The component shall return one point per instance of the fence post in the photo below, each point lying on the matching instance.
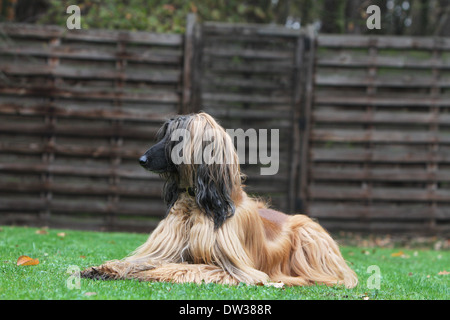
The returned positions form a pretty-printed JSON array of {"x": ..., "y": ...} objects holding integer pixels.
[
  {"x": 298, "y": 86},
  {"x": 191, "y": 99},
  {"x": 302, "y": 190},
  {"x": 48, "y": 156}
]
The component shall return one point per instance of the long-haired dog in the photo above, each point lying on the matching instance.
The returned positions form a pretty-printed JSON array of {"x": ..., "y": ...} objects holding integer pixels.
[{"x": 214, "y": 231}]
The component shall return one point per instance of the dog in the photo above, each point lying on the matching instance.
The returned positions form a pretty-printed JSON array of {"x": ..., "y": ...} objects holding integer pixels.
[{"x": 213, "y": 231}]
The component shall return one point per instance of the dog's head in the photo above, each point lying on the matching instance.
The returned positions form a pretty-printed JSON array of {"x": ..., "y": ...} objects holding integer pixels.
[{"x": 194, "y": 153}]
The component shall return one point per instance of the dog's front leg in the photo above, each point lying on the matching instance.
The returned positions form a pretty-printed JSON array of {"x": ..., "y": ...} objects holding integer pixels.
[
  {"x": 116, "y": 269},
  {"x": 183, "y": 272},
  {"x": 164, "y": 245}
]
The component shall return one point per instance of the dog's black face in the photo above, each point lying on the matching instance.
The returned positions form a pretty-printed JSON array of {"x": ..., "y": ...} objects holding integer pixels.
[{"x": 156, "y": 159}]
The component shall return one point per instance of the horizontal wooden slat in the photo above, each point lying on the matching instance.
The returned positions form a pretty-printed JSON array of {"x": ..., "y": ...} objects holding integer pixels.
[
  {"x": 155, "y": 210},
  {"x": 74, "y": 206},
  {"x": 378, "y": 211},
  {"x": 248, "y": 53},
  {"x": 21, "y": 205},
  {"x": 153, "y": 190},
  {"x": 166, "y": 97},
  {"x": 245, "y": 98},
  {"x": 222, "y": 107},
  {"x": 273, "y": 68},
  {"x": 168, "y": 77},
  {"x": 377, "y": 100},
  {"x": 87, "y": 150},
  {"x": 383, "y": 42},
  {"x": 251, "y": 115},
  {"x": 250, "y": 29},
  {"x": 79, "y": 130},
  {"x": 92, "y": 112},
  {"x": 48, "y": 32},
  {"x": 380, "y": 136},
  {"x": 398, "y": 62},
  {"x": 376, "y": 226},
  {"x": 406, "y": 194},
  {"x": 211, "y": 80},
  {"x": 247, "y": 41},
  {"x": 405, "y": 81},
  {"x": 373, "y": 174},
  {"x": 68, "y": 170},
  {"x": 67, "y": 221},
  {"x": 379, "y": 117},
  {"x": 93, "y": 54},
  {"x": 378, "y": 156}
]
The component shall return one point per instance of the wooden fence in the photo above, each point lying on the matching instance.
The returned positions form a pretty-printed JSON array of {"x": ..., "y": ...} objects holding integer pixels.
[
  {"x": 379, "y": 134},
  {"x": 78, "y": 108},
  {"x": 77, "y": 111},
  {"x": 363, "y": 121},
  {"x": 251, "y": 77}
]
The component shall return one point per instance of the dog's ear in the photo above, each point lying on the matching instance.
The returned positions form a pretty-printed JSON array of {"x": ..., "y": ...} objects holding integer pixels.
[
  {"x": 213, "y": 192},
  {"x": 170, "y": 190}
]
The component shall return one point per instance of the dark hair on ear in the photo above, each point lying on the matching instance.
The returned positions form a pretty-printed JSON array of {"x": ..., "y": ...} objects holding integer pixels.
[
  {"x": 170, "y": 190},
  {"x": 213, "y": 193}
]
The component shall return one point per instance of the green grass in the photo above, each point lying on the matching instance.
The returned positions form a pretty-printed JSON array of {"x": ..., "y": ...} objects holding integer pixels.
[{"x": 413, "y": 275}]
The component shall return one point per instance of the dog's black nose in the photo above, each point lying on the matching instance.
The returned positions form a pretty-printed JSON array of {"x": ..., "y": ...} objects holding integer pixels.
[{"x": 143, "y": 160}]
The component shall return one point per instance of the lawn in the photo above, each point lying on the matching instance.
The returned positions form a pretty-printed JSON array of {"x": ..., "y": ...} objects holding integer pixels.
[{"x": 404, "y": 273}]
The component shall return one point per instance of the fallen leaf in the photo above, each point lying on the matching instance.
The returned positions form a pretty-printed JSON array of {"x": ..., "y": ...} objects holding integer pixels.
[
  {"x": 90, "y": 293},
  {"x": 41, "y": 231},
  {"x": 27, "y": 261},
  {"x": 443, "y": 273},
  {"x": 61, "y": 234},
  {"x": 397, "y": 254},
  {"x": 83, "y": 257}
]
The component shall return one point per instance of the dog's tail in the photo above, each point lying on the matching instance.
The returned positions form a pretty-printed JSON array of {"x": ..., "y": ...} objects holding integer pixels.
[{"x": 316, "y": 255}]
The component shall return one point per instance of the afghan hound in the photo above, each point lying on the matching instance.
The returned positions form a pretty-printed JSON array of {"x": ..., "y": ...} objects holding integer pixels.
[{"x": 213, "y": 231}]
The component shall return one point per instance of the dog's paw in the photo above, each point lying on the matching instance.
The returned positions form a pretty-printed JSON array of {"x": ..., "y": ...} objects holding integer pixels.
[{"x": 96, "y": 273}]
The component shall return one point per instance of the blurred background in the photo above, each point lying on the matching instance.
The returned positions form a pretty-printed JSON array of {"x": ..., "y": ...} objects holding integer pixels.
[
  {"x": 400, "y": 17},
  {"x": 363, "y": 114}
]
